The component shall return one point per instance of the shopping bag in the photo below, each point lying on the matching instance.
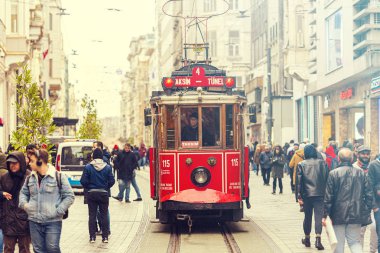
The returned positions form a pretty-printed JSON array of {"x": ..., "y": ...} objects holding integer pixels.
[{"x": 331, "y": 234}]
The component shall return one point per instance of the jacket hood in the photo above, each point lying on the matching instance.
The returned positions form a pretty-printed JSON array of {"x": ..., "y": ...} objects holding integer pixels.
[
  {"x": 98, "y": 164},
  {"x": 3, "y": 163},
  {"x": 19, "y": 156}
]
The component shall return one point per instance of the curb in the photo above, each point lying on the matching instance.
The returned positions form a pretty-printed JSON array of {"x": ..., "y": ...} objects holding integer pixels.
[{"x": 279, "y": 245}]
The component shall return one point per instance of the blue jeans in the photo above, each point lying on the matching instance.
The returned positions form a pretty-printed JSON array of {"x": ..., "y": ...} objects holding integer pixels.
[
  {"x": 377, "y": 220},
  {"x": 351, "y": 232},
  {"x": 142, "y": 162},
  {"x": 45, "y": 236},
  {"x": 109, "y": 220},
  {"x": 1, "y": 241},
  {"x": 135, "y": 186}
]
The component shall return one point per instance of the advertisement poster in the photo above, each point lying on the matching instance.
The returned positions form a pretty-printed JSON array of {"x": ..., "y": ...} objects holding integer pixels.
[{"x": 359, "y": 126}]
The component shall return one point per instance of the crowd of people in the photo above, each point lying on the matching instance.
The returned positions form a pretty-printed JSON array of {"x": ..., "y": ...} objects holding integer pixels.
[
  {"x": 35, "y": 197},
  {"x": 341, "y": 183}
]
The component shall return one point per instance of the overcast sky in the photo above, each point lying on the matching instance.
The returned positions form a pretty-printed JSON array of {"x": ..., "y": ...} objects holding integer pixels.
[{"x": 101, "y": 38}]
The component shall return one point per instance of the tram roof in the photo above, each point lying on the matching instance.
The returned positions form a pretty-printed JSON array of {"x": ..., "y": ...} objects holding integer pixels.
[{"x": 196, "y": 97}]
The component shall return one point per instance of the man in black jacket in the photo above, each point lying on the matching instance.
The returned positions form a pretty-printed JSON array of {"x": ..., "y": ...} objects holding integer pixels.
[
  {"x": 374, "y": 177},
  {"x": 348, "y": 200},
  {"x": 311, "y": 185},
  {"x": 126, "y": 164}
]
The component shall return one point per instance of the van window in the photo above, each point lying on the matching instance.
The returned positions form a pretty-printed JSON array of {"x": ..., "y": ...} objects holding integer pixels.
[{"x": 76, "y": 155}]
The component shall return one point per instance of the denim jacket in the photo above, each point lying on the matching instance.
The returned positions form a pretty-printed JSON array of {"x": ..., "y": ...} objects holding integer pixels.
[{"x": 46, "y": 203}]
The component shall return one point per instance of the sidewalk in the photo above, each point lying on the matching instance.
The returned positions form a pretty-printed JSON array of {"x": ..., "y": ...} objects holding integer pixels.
[
  {"x": 279, "y": 217},
  {"x": 126, "y": 219}
]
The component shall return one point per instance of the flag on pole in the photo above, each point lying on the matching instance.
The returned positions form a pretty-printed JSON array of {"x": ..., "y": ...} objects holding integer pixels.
[{"x": 44, "y": 54}]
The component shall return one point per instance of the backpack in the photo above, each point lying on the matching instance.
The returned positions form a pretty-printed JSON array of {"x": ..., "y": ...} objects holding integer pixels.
[{"x": 59, "y": 183}]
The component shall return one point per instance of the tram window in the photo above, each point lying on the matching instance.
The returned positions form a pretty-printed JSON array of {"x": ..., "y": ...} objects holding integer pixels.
[
  {"x": 211, "y": 126},
  {"x": 170, "y": 130},
  {"x": 229, "y": 126},
  {"x": 189, "y": 127}
]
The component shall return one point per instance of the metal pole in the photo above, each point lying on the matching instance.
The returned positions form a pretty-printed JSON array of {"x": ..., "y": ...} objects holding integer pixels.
[{"x": 269, "y": 87}]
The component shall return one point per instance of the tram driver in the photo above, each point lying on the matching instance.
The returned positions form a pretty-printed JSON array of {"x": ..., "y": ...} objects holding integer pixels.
[{"x": 190, "y": 132}]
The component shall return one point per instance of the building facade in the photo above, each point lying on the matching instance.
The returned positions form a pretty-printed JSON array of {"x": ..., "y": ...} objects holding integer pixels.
[
  {"x": 347, "y": 65},
  {"x": 30, "y": 33},
  {"x": 135, "y": 91},
  {"x": 276, "y": 86}
]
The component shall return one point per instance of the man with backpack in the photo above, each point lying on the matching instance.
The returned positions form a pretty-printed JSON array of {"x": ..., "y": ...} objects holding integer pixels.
[
  {"x": 45, "y": 196},
  {"x": 97, "y": 179}
]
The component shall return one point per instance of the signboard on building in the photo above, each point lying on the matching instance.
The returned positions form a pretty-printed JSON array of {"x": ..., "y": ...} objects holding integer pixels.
[
  {"x": 347, "y": 94},
  {"x": 375, "y": 85}
]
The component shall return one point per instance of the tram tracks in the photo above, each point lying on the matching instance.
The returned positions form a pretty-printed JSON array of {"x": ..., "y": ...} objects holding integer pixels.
[{"x": 177, "y": 242}]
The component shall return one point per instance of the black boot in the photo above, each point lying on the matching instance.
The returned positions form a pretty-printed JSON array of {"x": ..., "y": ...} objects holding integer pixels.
[
  {"x": 318, "y": 243},
  {"x": 306, "y": 242}
]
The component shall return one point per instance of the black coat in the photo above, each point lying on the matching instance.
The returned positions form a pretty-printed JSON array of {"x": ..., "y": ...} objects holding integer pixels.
[
  {"x": 349, "y": 196},
  {"x": 312, "y": 177},
  {"x": 126, "y": 164},
  {"x": 13, "y": 220}
]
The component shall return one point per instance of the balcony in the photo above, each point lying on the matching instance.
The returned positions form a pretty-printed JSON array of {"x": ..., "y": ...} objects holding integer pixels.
[
  {"x": 365, "y": 12},
  {"x": 367, "y": 63},
  {"x": 365, "y": 28},
  {"x": 366, "y": 43}
]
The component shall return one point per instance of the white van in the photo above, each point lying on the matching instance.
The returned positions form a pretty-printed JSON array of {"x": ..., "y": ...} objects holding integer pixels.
[{"x": 72, "y": 156}]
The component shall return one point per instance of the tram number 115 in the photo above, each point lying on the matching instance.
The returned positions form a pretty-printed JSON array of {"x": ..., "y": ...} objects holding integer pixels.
[{"x": 166, "y": 163}]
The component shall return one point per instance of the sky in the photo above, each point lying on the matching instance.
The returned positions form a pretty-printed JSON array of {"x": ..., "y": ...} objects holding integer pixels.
[{"x": 101, "y": 39}]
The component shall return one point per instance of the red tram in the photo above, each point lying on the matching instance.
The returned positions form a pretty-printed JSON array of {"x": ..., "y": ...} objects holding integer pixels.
[{"x": 198, "y": 165}]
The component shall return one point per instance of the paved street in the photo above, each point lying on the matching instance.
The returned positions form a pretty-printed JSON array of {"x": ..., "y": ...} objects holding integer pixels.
[
  {"x": 276, "y": 216},
  {"x": 279, "y": 217}
]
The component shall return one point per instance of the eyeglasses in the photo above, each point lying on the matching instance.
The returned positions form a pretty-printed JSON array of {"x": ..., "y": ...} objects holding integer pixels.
[{"x": 365, "y": 153}]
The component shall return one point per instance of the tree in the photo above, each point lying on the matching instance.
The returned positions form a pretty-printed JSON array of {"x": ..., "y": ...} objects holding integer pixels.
[
  {"x": 35, "y": 118},
  {"x": 91, "y": 128}
]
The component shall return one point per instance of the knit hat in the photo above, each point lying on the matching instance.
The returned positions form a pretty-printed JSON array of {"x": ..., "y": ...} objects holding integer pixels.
[
  {"x": 97, "y": 154},
  {"x": 310, "y": 152}
]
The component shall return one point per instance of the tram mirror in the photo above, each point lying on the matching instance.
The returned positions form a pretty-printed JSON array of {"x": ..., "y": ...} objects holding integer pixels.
[{"x": 147, "y": 117}]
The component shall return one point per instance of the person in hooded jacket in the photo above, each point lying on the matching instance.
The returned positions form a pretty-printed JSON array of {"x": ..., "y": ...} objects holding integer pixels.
[
  {"x": 97, "y": 179},
  {"x": 14, "y": 220}
]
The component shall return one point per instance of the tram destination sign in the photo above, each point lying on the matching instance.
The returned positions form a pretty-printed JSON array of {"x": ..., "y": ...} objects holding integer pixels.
[{"x": 198, "y": 79}]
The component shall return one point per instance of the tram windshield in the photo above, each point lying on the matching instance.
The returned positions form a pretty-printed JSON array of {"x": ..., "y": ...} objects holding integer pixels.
[{"x": 192, "y": 127}]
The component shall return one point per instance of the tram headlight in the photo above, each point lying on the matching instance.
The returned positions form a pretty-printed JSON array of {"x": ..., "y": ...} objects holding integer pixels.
[{"x": 201, "y": 176}]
